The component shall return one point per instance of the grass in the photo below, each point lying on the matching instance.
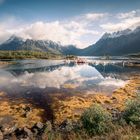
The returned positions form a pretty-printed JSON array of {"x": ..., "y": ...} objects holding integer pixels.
[
  {"x": 28, "y": 55},
  {"x": 132, "y": 111},
  {"x": 96, "y": 123},
  {"x": 96, "y": 120}
]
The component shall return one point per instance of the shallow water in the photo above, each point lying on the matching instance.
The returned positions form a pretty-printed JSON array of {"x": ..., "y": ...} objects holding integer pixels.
[
  {"x": 57, "y": 76},
  {"x": 43, "y": 83}
]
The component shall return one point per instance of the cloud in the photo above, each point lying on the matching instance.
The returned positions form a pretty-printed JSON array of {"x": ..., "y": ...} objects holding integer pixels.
[
  {"x": 130, "y": 14},
  {"x": 82, "y": 30},
  {"x": 66, "y": 32},
  {"x": 125, "y": 20},
  {"x": 55, "y": 79},
  {"x": 127, "y": 23},
  {"x": 5, "y": 24},
  {"x": 94, "y": 16}
]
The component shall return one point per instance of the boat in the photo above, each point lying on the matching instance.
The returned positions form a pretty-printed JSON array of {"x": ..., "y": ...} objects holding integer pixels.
[{"x": 80, "y": 61}]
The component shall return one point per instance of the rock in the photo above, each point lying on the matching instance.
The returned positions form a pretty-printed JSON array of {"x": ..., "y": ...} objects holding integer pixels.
[
  {"x": 29, "y": 132},
  {"x": 1, "y": 135},
  {"x": 27, "y": 108},
  {"x": 39, "y": 125},
  {"x": 66, "y": 125},
  {"x": 6, "y": 129},
  {"x": 21, "y": 134},
  {"x": 38, "y": 129},
  {"x": 35, "y": 131}
]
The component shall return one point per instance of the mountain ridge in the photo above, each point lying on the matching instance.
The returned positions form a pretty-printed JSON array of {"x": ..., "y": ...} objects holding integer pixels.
[
  {"x": 118, "y": 43},
  {"x": 17, "y": 43}
]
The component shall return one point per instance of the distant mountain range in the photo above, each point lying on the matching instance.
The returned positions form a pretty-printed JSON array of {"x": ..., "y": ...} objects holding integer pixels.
[
  {"x": 17, "y": 43},
  {"x": 118, "y": 43}
]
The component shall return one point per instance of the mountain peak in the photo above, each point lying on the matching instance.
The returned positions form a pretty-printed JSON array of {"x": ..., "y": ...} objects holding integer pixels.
[
  {"x": 116, "y": 34},
  {"x": 116, "y": 44},
  {"x": 106, "y": 35},
  {"x": 14, "y": 38},
  {"x": 17, "y": 43},
  {"x": 137, "y": 29}
]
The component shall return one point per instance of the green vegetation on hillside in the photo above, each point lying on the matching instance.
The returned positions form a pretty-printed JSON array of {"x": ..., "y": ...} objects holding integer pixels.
[{"x": 28, "y": 55}]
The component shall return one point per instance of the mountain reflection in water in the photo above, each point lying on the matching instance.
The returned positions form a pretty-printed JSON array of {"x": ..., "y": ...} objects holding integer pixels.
[
  {"x": 56, "y": 76},
  {"x": 42, "y": 82}
]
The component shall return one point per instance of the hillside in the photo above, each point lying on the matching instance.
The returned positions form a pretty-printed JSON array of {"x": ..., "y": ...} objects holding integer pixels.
[
  {"x": 116, "y": 44},
  {"x": 15, "y": 43}
]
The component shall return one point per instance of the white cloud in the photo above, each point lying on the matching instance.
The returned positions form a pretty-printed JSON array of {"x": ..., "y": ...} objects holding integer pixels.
[
  {"x": 127, "y": 15},
  {"x": 128, "y": 23},
  {"x": 66, "y": 32},
  {"x": 7, "y": 23},
  {"x": 81, "y": 30},
  {"x": 125, "y": 20},
  {"x": 94, "y": 16}
]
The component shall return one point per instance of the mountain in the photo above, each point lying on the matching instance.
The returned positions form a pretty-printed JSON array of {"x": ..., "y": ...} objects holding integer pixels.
[
  {"x": 12, "y": 43},
  {"x": 17, "y": 43},
  {"x": 116, "y": 34},
  {"x": 115, "y": 44},
  {"x": 118, "y": 43},
  {"x": 71, "y": 50}
]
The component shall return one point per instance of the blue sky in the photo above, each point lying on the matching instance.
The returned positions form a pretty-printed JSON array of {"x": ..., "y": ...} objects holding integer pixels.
[{"x": 79, "y": 22}]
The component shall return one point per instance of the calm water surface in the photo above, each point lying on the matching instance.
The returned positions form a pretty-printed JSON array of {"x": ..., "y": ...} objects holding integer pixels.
[{"x": 27, "y": 77}]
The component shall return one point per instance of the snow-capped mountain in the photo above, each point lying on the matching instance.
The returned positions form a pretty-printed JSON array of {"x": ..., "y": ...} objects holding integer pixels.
[
  {"x": 18, "y": 43},
  {"x": 117, "y": 34},
  {"x": 118, "y": 43}
]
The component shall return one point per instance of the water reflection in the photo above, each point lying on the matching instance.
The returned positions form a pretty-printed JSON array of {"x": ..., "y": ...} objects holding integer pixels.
[
  {"x": 46, "y": 74},
  {"x": 43, "y": 83}
]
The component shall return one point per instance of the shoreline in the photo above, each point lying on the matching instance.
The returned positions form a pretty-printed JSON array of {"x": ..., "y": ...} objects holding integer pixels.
[
  {"x": 69, "y": 108},
  {"x": 5, "y": 63},
  {"x": 19, "y": 118}
]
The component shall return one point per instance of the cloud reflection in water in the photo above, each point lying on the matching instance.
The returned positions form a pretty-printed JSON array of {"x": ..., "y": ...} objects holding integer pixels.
[{"x": 83, "y": 76}]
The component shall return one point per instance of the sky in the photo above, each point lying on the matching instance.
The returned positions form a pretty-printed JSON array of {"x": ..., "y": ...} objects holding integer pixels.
[{"x": 77, "y": 22}]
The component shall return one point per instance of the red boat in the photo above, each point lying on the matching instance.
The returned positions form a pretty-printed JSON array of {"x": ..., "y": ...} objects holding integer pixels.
[{"x": 80, "y": 61}]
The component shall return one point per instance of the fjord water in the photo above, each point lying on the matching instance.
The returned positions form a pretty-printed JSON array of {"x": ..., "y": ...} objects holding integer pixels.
[{"x": 55, "y": 76}]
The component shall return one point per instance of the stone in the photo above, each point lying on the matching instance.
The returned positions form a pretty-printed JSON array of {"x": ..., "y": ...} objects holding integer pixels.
[
  {"x": 20, "y": 133},
  {"x": 6, "y": 129},
  {"x": 1, "y": 135},
  {"x": 66, "y": 125},
  {"x": 27, "y": 109},
  {"x": 39, "y": 125},
  {"x": 29, "y": 132}
]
